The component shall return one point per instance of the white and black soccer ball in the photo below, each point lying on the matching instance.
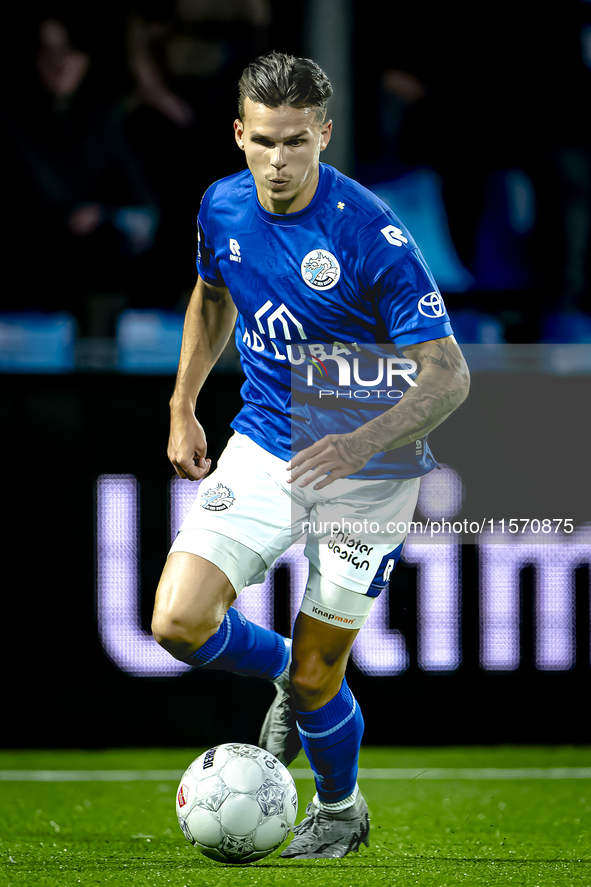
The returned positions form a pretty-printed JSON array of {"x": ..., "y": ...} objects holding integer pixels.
[{"x": 236, "y": 803}]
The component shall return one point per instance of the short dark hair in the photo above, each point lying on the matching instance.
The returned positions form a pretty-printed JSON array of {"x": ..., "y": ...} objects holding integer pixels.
[{"x": 279, "y": 79}]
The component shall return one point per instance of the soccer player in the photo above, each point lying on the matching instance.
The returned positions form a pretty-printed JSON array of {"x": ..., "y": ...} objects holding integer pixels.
[{"x": 315, "y": 272}]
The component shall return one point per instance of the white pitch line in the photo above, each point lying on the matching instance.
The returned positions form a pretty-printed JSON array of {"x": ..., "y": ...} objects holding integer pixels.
[
  {"x": 475, "y": 773},
  {"x": 90, "y": 775},
  {"x": 404, "y": 774}
]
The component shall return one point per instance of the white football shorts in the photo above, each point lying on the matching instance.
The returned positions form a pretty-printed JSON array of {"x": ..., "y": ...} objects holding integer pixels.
[{"x": 246, "y": 514}]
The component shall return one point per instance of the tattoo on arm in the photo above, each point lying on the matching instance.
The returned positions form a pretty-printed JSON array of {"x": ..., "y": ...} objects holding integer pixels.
[
  {"x": 442, "y": 384},
  {"x": 443, "y": 354}
]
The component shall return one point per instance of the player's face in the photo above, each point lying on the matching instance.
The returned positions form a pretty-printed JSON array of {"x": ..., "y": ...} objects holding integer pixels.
[{"x": 282, "y": 147}]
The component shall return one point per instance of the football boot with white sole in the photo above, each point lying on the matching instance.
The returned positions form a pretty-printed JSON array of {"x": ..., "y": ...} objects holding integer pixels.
[{"x": 324, "y": 835}]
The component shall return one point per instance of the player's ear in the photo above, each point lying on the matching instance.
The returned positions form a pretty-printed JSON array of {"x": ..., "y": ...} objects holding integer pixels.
[
  {"x": 239, "y": 133},
  {"x": 325, "y": 134}
]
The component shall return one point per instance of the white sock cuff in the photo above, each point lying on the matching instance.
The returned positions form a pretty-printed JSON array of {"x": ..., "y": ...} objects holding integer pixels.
[{"x": 338, "y": 806}]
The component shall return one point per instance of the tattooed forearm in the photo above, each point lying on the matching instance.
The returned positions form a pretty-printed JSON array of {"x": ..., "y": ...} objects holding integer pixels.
[
  {"x": 441, "y": 386},
  {"x": 445, "y": 355}
]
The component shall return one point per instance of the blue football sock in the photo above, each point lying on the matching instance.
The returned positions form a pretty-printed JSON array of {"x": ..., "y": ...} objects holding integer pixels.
[
  {"x": 331, "y": 737},
  {"x": 242, "y": 646}
]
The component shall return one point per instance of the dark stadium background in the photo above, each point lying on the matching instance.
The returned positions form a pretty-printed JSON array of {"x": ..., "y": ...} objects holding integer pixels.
[{"x": 474, "y": 92}]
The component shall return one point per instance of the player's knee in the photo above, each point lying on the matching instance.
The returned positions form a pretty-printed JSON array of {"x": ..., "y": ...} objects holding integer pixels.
[
  {"x": 181, "y": 637},
  {"x": 305, "y": 692},
  {"x": 314, "y": 683}
]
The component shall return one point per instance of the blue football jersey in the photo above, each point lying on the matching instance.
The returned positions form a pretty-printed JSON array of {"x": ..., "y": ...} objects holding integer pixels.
[{"x": 327, "y": 298}]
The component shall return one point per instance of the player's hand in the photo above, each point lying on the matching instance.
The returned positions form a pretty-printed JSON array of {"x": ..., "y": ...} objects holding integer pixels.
[
  {"x": 336, "y": 456},
  {"x": 187, "y": 447}
]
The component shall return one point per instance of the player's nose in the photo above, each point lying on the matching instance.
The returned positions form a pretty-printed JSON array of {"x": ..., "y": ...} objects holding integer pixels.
[{"x": 277, "y": 160}]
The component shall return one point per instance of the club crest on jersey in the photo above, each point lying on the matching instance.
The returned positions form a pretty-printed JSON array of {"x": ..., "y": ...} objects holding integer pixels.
[
  {"x": 217, "y": 498},
  {"x": 320, "y": 269}
]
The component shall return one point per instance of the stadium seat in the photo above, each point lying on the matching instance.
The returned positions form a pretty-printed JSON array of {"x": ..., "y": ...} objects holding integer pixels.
[
  {"x": 149, "y": 341},
  {"x": 567, "y": 326},
  {"x": 37, "y": 343},
  {"x": 476, "y": 328}
]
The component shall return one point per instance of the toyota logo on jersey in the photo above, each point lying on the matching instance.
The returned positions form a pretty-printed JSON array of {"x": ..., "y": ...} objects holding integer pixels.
[{"x": 432, "y": 305}]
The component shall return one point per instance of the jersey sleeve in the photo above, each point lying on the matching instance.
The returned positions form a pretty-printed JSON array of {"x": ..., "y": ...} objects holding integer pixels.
[
  {"x": 396, "y": 279},
  {"x": 207, "y": 266},
  {"x": 410, "y": 303}
]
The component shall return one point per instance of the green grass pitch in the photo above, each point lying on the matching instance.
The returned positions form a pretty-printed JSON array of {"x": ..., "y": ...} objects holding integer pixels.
[{"x": 431, "y": 832}]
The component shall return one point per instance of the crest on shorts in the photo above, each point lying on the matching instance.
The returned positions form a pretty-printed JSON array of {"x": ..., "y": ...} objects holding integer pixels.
[
  {"x": 217, "y": 498},
  {"x": 320, "y": 269}
]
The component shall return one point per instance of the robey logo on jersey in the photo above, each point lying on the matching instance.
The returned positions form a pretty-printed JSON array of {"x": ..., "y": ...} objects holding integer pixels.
[
  {"x": 394, "y": 235},
  {"x": 234, "y": 251}
]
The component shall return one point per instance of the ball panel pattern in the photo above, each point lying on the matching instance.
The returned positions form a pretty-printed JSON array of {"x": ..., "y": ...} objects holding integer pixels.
[
  {"x": 240, "y": 815},
  {"x": 205, "y": 827},
  {"x": 243, "y": 775},
  {"x": 211, "y": 793},
  {"x": 270, "y": 797},
  {"x": 270, "y": 833}
]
